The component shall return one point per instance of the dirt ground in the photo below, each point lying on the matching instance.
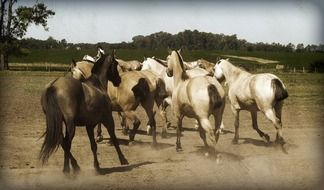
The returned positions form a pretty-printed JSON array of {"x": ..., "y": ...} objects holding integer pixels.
[{"x": 249, "y": 165}]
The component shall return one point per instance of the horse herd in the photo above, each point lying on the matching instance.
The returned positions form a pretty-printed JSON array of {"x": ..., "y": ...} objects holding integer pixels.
[{"x": 97, "y": 86}]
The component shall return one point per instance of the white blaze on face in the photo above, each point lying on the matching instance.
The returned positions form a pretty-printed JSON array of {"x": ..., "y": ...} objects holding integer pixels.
[{"x": 218, "y": 72}]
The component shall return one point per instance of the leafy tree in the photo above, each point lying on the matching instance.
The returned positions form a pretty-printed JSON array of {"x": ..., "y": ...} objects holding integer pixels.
[{"x": 14, "y": 24}]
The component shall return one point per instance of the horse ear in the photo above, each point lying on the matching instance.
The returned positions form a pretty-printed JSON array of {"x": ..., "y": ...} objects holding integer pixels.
[
  {"x": 73, "y": 63},
  {"x": 227, "y": 59},
  {"x": 144, "y": 58},
  {"x": 179, "y": 50},
  {"x": 169, "y": 50},
  {"x": 113, "y": 53}
]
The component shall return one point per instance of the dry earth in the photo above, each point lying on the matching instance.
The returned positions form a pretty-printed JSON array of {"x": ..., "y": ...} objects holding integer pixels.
[{"x": 249, "y": 165}]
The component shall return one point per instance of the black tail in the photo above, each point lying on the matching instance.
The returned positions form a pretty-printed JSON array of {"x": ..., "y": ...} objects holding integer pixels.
[
  {"x": 141, "y": 90},
  {"x": 54, "y": 118},
  {"x": 215, "y": 99},
  {"x": 280, "y": 92}
]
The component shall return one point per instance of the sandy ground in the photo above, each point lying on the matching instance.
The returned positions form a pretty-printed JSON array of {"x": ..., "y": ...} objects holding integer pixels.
[{"x": 249, "y": 165}]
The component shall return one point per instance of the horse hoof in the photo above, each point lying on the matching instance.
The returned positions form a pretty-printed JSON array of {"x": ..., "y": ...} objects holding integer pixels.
[
  {"x": 179, "y": 149},
  {"x": 76, "y": 170},
  {"x": 66, "y": 171},
  {"x": 131, "y": 143},
  {"x": 164, "y": 134},
  {"x": 124, "y": 161},
  {"x": 125, "y": 131},
  {"x": 234, "y": 141},
  {"x": 168, "y": 125},
  {"x": 99, "y": 138},
  {"x": 207, "y": 154},
  {"x": 266, "y": 138}
]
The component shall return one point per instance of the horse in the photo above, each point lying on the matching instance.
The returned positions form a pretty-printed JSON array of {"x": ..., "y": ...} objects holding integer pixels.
[
  {"x": 132, "y": 65},
  {"x": 253, "y": 92},
  {"x": 159, "y": 66},
  {"x": 75, "y": 103},
  {"x": 197, "y": 97},
  {"x": 208, "y": 66},
  {"x": 137, "y": 88}
]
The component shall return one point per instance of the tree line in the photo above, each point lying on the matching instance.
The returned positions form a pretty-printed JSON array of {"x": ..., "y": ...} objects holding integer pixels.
[{"x": 191, "y": 40}]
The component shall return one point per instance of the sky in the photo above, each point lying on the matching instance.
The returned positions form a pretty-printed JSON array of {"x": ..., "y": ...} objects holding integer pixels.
[{"x": 277, "y": 21}]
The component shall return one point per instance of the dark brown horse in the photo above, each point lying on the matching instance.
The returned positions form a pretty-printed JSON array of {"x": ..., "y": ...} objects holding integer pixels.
[{"x": 79, "y": 104}]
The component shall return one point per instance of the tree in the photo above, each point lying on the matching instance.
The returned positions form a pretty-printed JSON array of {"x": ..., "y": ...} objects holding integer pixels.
[{"x": 14, "y": 24}]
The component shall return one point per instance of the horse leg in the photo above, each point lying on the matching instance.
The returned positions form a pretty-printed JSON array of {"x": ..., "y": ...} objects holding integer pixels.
[
  {"x": 93, "y": 146},
  {"x": 148, "y": 107},
  {"x": 123, "y": 123},
  {"x": 236, "y": 125},
  {"x": 205, "y": 124},
  {"x": 64, "y": 144},
  {"x": 70, "y": 131},
  {"x": 110, "y": 126},
  {"x": 99, "y": 137},
  {"x": 271, "y": 115},
  {"x": 136, "y": 123},
  {"x": 264, "y": 136},
  {"x": 202, "y": 135},
  {"x": 179, "y": 130},
  {"x": 163, "y": 114},
  {"x": 278, "y": 111}
]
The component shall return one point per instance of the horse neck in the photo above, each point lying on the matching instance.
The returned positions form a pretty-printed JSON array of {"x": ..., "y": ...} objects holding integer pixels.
[
  {"x": 156, "y": 66},
  {"x": 232, "y": 73},
  {"x": 179, "y": 73}
]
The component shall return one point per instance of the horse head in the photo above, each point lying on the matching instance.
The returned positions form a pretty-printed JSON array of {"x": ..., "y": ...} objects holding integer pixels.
[
  {"x": 219, "y": 69},
  {"x": 175, "y": 64}
]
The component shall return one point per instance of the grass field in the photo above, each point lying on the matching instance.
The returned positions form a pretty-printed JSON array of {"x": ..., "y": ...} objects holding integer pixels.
[{"x": 289, "y": 59}]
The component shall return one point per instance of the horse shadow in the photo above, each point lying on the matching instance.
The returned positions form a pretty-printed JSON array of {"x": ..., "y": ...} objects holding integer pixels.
[
  {"x": 126, "y": 142},
  {"x": 256, "y": 142},
  {"x": 106, "y": 171},
  {"x": 201, "y": 152}
]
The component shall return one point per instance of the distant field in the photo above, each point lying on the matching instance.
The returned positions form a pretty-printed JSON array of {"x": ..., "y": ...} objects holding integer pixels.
[{"x": 289, "y": 59}]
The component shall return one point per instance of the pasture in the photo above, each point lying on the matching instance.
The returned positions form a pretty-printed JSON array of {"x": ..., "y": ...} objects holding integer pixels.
[
  {"x": 249, "y": 165},
  {"x": 62, "y": 56}
]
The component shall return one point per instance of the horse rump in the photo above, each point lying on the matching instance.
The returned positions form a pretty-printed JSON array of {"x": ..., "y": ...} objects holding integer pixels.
[
  {"x": 54, "y": 119},
  {"x": 215, "y": 99},
  {"x": 279, "y": 90},
  {"x": 141, "y": 89}
]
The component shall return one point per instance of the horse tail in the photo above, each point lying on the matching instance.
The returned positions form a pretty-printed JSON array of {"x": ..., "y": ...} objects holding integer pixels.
[
  {"x": 54, "y": 119},
  {"x": 279, "y": 90},
  {"x": 141, "y": 90},
  {"x": 215, "y": 100}
]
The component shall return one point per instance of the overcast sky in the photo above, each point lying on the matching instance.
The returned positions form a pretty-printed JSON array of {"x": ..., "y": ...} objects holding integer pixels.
[{"x": 116, "y": 21}]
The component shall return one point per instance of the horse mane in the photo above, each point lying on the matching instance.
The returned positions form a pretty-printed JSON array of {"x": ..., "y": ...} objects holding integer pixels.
[
  {"x": 184, "y": 75},
  {"x": 159, "y": 61},
  {"x": 97, "y": 65}
]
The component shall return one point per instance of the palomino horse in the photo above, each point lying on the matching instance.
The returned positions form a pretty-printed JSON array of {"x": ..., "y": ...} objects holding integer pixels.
[
  {"x": 159, "y": 66},
  {"x": 132, "y": 65},
  {"x": 253, "y": 92},
  {"x": 79, "y": 104},
  {"x": 137, "y": 88},
  {"x": 208, "y": 66},
  {"x": 198, "y": 98}
]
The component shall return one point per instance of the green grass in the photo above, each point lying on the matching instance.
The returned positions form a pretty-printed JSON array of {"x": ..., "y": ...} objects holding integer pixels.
[{"x": 289, "y": 59}]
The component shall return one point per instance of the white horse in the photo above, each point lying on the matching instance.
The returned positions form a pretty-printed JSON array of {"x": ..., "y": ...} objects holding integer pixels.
[
  {"x": 197, "y": 97},
  {"x": 159, "y": 66},
  {"x": 253, "y": 92}
]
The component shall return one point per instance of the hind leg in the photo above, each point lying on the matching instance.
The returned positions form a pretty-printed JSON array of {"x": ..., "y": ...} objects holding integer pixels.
[
  {"x": 66, "y": 145},
  {"x": 99, "y": 137},
  {"x": 93, "y": 146},
  {"x": 179, "y": 129},
  {"x": 205, "y": 124},
  {"x": 202, "y": 135},
  {"x": 167, "y": 124},
  {"x": 110, "y": 126},
  {"x": 271, "y": 115},
  {"x": 123, "y": 123},
  {"x": 136, "y": 123},
  {"x": 148, "y": 107},
  {"x": 278, "y": 111},
  {"x": 264, "y": 136}
]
